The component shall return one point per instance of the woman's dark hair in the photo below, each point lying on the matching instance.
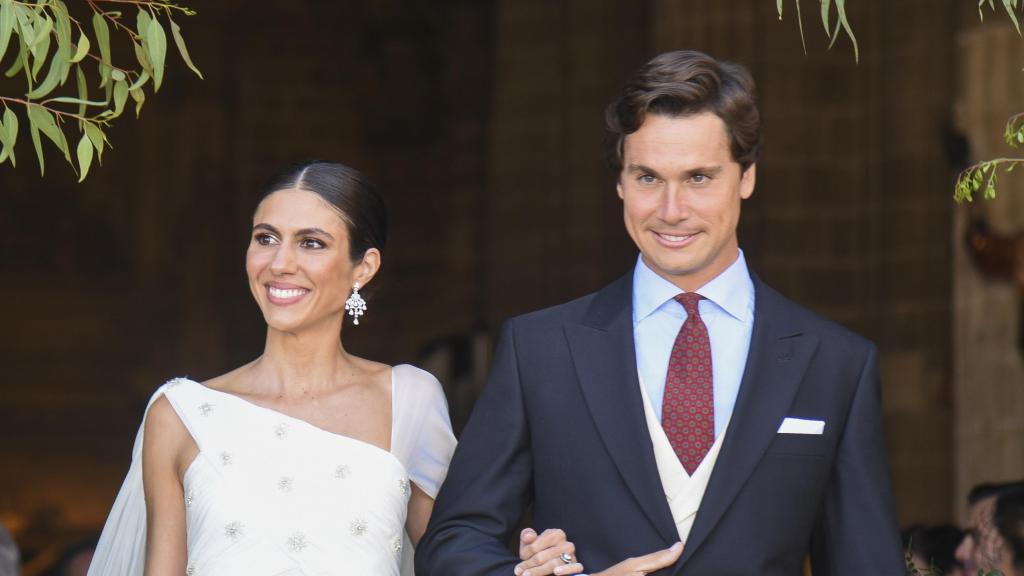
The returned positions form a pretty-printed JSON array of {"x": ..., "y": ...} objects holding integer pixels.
[
  {"x": 1009, "y": 520},
  {"x": 686, "y": 82},
  {"x": 348, "y": 191}
]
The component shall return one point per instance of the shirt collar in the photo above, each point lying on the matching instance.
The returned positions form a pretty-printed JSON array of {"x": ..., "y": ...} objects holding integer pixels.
[{"x": 732, "y": 290}]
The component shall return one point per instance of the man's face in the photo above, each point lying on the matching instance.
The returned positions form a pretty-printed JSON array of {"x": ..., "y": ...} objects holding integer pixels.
[
  {"x": 980, "y": 548},
  {"x": 681, "y": 193}
]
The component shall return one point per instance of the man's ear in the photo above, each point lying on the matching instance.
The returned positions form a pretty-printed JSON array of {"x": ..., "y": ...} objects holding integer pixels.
[{"x": 747, "y": 180}]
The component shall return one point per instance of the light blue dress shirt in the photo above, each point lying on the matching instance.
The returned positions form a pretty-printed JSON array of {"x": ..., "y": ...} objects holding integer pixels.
[{"x": 728, "y": 313}]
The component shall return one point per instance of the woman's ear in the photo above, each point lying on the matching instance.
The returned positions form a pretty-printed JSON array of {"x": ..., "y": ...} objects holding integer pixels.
[{"x": 367, "y": 268}]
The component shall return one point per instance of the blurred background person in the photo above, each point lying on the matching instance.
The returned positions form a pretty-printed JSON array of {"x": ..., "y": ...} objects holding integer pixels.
[
  {"x": 9, "y": 556},
  {"x": 932, "y": 548},
  {"x": 981, "y": 546},
  {"x": 1008, "y": 519}
]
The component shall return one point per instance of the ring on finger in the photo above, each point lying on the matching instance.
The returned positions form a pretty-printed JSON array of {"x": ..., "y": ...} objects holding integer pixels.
[{"x": 566, "y": 558}]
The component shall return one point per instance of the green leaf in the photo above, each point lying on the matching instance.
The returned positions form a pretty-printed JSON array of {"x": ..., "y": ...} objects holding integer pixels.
[
  {"x": 143, "y": 58},
  {"x": 95, "y": 134},
  {"x": 83, "y": 90},
  {"x": 141, "y": 51},
  {"x": 82, "y": 49},
  {"x": 99, "y": 25},
  {"x": 41, "y": 49},
  {"x": 9, "y": 134},
  {"x": 156, "y": 45},
  {"x": 142, "y": 22},
  {"x": 6, "y": 25},
  {"x": 34, "y": 131},
  {"x": 120, "y": 96},
  {"x": 139, "y": 95},
  {"x": 44, "y": 120},
  {"x": 20, "y": 61},
  {"x": 118, "y": 75},
  {"x": 63, "y": 29},
  {"x": 1013, "y": 17},
  {"x": 57, "y": 67},
  {"x": 84, "y": 157},
  {"x": 825, "y": 6},
  {"x": 143, "y": 78},
  {"x": 180, "y": 42},
  {"x": 778, "y": 6},
  {"x": 841, "y": 9},
  {"x": 800, "y": 23},
  {"x": 80, "y": 101}
]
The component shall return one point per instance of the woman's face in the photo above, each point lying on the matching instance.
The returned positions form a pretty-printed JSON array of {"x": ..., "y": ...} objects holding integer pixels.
[{"x": 298, "y": 263}]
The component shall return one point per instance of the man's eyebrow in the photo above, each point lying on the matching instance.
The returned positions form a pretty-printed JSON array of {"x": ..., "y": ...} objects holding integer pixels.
[
  {"x": 708, "y": 170},
  {"x": 641, "y": 168}
]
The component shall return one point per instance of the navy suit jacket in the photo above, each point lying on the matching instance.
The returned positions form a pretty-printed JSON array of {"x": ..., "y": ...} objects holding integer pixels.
[{"x": 560, "y": 425}]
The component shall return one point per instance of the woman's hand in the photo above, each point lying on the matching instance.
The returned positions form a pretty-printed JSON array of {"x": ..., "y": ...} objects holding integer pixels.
[
  {"x": 541, "y": 555},
  {"x": 643, "y": 565}
]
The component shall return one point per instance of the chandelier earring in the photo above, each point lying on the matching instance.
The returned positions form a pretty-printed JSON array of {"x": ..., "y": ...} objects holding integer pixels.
[{"x": 355, "y": 305}]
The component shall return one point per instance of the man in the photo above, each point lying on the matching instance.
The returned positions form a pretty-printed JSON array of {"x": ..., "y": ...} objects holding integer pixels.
[
  {"x": 687, "y": 401},
  {"x": 979, "y": 549}
]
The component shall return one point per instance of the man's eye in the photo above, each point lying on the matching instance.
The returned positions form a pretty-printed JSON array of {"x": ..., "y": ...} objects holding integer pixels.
[
  {"x": 699, "y": 179},
  {"x": 648, "y": 179},
  {"x": 312, "y": 243}
]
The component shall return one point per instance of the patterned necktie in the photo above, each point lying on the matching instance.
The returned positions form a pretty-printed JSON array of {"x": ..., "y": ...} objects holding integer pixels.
[{"x": 688, "y": 408}]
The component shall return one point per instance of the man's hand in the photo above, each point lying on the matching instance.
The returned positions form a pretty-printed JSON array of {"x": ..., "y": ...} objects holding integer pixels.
[
  {"x": 643, "y": 565},
  {"x": 541, "y": 555}
]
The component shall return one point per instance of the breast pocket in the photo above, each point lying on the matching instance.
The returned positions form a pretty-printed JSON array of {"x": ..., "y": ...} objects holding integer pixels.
[{"x": 801, "y": 445}]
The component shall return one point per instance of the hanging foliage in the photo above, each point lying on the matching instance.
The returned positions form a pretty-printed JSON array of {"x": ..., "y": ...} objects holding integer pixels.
[{"x": 47, "y": 46}]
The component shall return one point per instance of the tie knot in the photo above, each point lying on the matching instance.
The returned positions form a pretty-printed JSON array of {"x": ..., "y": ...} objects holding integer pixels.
[{"x": 689, "y": 301}]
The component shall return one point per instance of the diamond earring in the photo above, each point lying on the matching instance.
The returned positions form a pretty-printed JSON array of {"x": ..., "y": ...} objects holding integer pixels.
[{"x": 355, "y": 305}]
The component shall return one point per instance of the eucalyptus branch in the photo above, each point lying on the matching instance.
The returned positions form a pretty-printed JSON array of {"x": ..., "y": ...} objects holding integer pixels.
[
  {"x": 158, "y": 5},
  {"x": 34, "y": 27}
]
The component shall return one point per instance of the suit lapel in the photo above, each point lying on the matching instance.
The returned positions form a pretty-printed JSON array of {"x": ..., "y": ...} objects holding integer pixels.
[
  {"x": 778, "y": 357},
  {"x": 605, "y": 360}
]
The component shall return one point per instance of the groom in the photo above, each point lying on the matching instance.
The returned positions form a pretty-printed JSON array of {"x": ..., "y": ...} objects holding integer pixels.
[{"x": 687, "y": 401}]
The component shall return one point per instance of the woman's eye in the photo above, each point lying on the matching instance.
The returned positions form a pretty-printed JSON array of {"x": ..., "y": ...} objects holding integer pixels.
[
  {"x": 265, "y": 239},
  {"x": 312, "y": 243}
]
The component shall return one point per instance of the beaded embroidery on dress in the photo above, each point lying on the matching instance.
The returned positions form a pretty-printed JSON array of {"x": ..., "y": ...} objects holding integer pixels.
[{"x": 270, "y": 494}]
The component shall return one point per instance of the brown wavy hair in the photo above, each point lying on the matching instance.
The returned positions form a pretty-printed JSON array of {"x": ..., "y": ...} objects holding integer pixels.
[{"x": 683, "y": 83}]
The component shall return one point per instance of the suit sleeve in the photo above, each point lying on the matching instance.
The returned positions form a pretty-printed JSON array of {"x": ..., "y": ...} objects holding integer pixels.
[
  {"x": 489, "y": 482},
  {"x": 856, "y": 532}
]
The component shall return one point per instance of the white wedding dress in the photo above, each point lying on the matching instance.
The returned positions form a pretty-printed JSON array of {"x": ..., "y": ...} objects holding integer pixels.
[{"x": 270, "y": 494}]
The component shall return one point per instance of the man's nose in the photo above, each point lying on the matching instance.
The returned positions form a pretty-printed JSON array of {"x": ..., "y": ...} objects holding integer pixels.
[{"x": 674, "y": 204}]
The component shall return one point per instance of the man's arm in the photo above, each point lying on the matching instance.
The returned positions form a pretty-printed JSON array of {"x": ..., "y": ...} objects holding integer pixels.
[
  {"x": 856, "y": 532},
  {"x": 488, "y": 484}
]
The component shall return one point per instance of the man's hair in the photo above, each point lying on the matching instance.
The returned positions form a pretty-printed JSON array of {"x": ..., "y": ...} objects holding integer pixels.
[
  {"x": 683, "y": 83},
  {"x": 989, "y": 489}
]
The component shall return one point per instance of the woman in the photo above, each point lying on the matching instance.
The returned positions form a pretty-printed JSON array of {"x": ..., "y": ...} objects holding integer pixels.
[{"x": 307, "y": 460}]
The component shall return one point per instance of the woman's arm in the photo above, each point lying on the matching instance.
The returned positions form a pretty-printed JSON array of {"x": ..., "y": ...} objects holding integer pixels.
[
  {"x": 420, "y": 507},
  {"x": 167, "y": 448}
]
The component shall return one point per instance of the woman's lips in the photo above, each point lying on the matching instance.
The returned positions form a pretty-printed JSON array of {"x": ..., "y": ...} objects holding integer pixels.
[{"x": 283, "y": 296}]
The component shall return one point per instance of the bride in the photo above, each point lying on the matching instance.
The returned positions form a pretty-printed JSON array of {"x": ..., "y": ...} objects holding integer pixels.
[{"x": 307, "y": 460}]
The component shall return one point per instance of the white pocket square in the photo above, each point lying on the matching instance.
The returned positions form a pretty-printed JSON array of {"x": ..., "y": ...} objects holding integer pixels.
[{"x": 802, "y": 426}]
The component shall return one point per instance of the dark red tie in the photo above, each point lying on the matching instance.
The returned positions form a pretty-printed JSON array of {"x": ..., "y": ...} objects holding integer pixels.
[{"x": 688, "y": 407}]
